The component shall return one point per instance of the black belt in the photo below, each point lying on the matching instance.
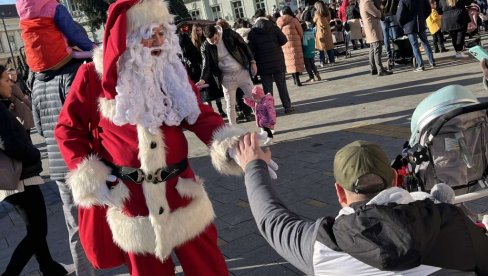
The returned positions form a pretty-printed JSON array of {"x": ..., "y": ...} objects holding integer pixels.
[{"x": 138, "y": 176}]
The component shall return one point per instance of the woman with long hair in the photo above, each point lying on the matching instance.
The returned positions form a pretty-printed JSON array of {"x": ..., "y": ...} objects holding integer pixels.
[
  {"x": 455, "y": 19},
  {"x": 194, "y": 65},
  {"x": 27, "y": 197},
  {"x": 323, "y": 35},
  {"x": 292, "y": 29}
]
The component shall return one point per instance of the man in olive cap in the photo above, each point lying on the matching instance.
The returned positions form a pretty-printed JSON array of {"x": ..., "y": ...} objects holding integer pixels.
[{"x": 381, "y": 229}]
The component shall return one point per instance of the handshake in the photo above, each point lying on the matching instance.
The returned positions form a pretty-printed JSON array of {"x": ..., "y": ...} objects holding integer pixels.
[{"x": 248, "y": 149}]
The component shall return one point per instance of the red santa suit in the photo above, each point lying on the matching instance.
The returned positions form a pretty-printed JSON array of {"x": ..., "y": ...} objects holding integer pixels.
[{"x": 149, "y": 217}]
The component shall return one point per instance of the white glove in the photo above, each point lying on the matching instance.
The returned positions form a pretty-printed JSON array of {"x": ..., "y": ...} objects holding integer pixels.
[
  {"x": 272, "y": 166},
  {"x": 104, "y": 196}
]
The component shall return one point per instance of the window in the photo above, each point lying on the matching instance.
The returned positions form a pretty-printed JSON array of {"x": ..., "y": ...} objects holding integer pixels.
[
  {"x": 11, "y": 40},
  {"x": 216, "y": 13},
  {"x": 195, "y": 14},
  {"x": 238, "y": 10},
  {"x": 260, "y": 5}
]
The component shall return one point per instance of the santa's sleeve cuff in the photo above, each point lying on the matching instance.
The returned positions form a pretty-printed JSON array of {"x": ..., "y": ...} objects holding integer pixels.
[
  {"x": 86, "y": 181},
  {"x": 223, "y": 139}
]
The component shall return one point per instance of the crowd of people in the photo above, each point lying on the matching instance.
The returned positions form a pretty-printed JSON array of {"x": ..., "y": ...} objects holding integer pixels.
[{"x": 114, "y": 118}]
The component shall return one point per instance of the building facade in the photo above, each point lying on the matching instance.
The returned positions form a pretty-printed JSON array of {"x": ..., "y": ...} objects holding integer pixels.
[{"x": 232, "y": 10}]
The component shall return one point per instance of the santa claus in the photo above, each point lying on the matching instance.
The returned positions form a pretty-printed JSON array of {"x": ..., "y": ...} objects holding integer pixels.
[{"x": 121, "y": 134}]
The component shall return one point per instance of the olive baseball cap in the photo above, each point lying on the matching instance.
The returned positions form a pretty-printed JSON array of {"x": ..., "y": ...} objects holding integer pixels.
[{"x": 360, "y": 158}]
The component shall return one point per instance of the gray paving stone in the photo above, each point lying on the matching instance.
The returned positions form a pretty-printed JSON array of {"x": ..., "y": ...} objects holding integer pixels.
[
  {"x": 242, "y": 245},
  {"x": 231, "y": 232},
  {"x": 253, "y": 260}
]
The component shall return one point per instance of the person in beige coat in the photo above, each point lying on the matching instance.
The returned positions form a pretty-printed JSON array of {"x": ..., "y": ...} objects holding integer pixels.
[
  {"x": 323, "y": 35},
  {"x": 292, "y": 29},
  {"x": 371, "y": 16}
]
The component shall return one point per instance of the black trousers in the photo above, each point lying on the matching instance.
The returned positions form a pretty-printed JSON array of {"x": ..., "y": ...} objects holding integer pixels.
[
  {"x": 31, "y": 207},
  {"x": 458, "y": 39},
  {"x": 280, "y": 80},
  {"x": 438, "y": 39}
]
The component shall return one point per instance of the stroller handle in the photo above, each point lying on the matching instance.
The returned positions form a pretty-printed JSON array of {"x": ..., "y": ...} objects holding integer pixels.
[
  {"x": 470, "y": 196},
  {"x": 451, "y": 114}
]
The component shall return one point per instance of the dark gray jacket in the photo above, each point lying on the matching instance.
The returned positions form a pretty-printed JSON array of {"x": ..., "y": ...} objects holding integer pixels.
[
  {"x": 411, "y": 15},
  {"x": 48, "y": 94},
  {"x": 265, "y": 40},
  {"x": 15, "y": 142},
  {"x": 389, "y": 239}
]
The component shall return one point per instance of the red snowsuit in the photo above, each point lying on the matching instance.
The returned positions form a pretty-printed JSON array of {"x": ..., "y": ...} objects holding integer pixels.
[{"x": 151, "y": 220}]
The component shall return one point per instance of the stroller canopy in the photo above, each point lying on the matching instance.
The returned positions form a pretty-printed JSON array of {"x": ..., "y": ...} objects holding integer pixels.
[{"x": 435, "y": 105}]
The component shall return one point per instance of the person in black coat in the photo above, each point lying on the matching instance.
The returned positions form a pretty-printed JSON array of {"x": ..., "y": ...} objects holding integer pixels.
[
  {"x": 455, "y": 19},
  {"x": 412, "y": 15},
  {"x": 265, "y": 40},
  {"x": 190, "y": 47},
  {"x": 27, "y": 198}
]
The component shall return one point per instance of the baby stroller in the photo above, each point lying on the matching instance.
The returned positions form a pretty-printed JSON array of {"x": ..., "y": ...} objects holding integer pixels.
[
  {"x": 449, "y": 140},
  {"x": 449, "y": 144},
  {"x": 339, "y": 38},
  {"x": 473, "y": 37},
  {"x": 401, "y": 48}
]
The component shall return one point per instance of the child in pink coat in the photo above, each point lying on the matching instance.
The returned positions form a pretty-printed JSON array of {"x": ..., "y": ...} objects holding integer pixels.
[{"x": 264, "y": 110}]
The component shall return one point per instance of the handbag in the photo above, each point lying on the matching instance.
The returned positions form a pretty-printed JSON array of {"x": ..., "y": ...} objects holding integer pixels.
[{"x": 10, "y": 170}]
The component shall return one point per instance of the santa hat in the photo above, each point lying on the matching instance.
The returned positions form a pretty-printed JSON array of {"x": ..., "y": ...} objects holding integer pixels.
[{"x": 125, "y": 17}]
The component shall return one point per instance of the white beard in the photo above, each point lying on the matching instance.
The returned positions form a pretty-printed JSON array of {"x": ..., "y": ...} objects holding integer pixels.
[{"x": 152, "y": 90}]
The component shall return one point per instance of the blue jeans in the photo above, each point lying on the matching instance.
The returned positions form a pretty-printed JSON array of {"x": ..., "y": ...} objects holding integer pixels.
[
  {"x": 415, "y": 47},
  {"x": 390, "y": 31},
  {"x": 330, "y": 54}
]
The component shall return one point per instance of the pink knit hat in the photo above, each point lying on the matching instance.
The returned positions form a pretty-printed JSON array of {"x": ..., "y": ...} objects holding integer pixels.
[{"x": 258, "y": 92}]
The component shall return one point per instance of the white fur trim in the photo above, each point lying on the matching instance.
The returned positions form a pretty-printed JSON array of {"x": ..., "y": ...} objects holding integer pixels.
[
  {"x": 107, "y": 108},
  {"x": 160, "y": 234},
  {"x": 147, "y": 12},
  {"x": 98, "y": 59},
  {"x": 224, "y": 139},
  {"x": 87, "y": 179}
]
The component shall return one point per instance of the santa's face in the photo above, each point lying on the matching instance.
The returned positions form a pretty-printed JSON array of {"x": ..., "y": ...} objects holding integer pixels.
[{"x": 155, "y": 41}]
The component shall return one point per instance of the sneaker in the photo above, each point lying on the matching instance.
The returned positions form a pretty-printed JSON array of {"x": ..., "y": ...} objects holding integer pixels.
[
  {"x": 309, "y": 80},
  {"x": 443, "y": 50},
  {"x": 460, "y": 55},
  {"x": 384, "y": 73},
  {"x": 419, "y": 69},
  {"x": 318, "y": 77},
  {"x": 433, "y": 65},
  {"x": 289, "y": 110},
  {"x": 268, "y": 142},
  {"x": 374, "y": 72},
  {"x": 436, "y": 50}
]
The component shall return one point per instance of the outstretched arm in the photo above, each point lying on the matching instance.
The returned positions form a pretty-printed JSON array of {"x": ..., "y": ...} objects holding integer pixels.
[{"x": 291, "y": 236}]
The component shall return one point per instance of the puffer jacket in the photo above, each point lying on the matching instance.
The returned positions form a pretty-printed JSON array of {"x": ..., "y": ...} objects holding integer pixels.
[
  {"x": 237, "y": 48},
  {"x": 48, "y": 95},
  {"x": 265, "y": 41},
  {"x": 16, "y": 144},
  {"x": 454, "y": 18},
  {"x": 292, "y": 29}
]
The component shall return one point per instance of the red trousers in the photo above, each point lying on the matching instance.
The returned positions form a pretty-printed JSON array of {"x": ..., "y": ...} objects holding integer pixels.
[{"x": 199, "y": 256}]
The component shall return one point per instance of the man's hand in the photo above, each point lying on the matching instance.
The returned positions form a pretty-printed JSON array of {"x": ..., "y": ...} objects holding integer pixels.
[
  {"x": 484, "y": 68},
  {"x": 248, "y": 149},
  {"x": 200, "y": 83},
  {"x": 254, "y": 69}
]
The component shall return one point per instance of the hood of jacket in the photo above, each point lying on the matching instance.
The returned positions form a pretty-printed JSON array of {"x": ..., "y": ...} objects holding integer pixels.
[
  {"x": 262, "y": 25},
  {"x": 28, "y": 9},
  {"x": 394, "y": 232},
  {"x": 286, "y": 19}
]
